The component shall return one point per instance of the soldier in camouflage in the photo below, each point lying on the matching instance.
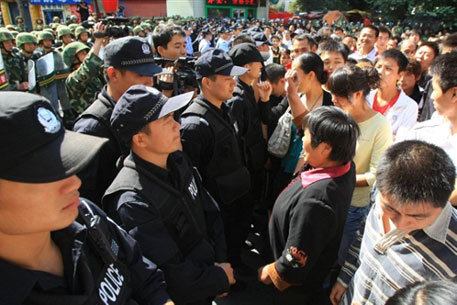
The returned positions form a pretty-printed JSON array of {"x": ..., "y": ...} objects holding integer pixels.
[
  {"x": 15, "y": 69},
  {"x": 86, "y": 78},
  {"x": 82, "y": 35},
  {"x": 20, "y": 24},
  {"x": 65, "y": 36},
  {"x": 45, "y": 42}
]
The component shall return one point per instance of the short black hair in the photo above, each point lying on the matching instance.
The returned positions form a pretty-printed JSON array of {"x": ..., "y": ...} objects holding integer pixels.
[
  {"x": 312, "y": 62},
  {"x": 432, "y": 292},
  {"x": 416, "y": 172},
  {"x": 398, "y": 56},
  {"x": 374, "y": 28},
  {"x": 350, "y": 78},
  {"x": 432, "y": 45},
  {"x": 445, "y": 68},
  {"x": 306, "y": 37},
  {"x": 414, "y": 67},
  {"x": 331, "y": 45},
  {"x": 242, "y": 39},
  {"x": 383, "y": 29},
  {"x": 164, "y": 34},
  {"x": 333, "y": 126},
  {"x": 450, "y": 42},
  {"x": 274, "y": 72}
]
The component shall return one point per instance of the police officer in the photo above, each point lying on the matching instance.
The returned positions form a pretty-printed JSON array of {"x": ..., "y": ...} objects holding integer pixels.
[
  {"x": 209, "y": 137},
  {"x": 127, "y": 61},
  {"x": 14, "y": 66},
  {"x": 245, "y": 109},
  {"x": 61, "y": 248},
  {"x": 158, "y": 198}
]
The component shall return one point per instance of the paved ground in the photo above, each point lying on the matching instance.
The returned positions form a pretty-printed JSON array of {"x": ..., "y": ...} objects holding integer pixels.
[{"x": 256, "y": 293}]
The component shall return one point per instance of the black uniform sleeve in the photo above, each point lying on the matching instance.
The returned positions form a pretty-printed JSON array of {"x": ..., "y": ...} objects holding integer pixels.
[
  {"x": 240, "y": 112},
  {"x": 270, "y": 115},
  {"x": 148, "y": 284},
  {"x": 187, "y": 280},
  {"x": 311, "y": 227},
  {"x": 197, "y": 140}
]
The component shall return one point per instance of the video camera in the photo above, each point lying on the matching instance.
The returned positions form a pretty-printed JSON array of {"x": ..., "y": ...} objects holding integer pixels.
[
  {"x": 117, "y": 27},
  {"x": 185, "y": 75}
]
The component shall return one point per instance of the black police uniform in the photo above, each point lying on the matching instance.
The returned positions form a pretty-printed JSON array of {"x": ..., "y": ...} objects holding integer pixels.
[
  {"x": 176, "y": 223},
  {"x": 102, "y": 170},
  {"x": 102, "y": 265},
  {"x": 209, "y": 138}
]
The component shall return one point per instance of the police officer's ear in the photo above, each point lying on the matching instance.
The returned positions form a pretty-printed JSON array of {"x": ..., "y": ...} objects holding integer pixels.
[{"x": 113, "y": 74}]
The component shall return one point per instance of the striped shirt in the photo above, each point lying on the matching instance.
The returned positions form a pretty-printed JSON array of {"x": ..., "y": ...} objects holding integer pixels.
[{"x": 379, "y": 264}]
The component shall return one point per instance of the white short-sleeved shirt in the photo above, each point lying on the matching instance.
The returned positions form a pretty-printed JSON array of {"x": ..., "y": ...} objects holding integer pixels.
[{"x": 402, "y": 115}]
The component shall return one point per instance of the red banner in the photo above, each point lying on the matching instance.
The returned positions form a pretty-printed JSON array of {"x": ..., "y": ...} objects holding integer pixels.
[{"x": 110, "y": 6}]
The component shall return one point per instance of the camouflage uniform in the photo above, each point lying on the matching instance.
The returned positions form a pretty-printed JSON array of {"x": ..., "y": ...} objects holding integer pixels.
[
  {"x": 15, "y": 69},
  {"x": 83, "y": 83}
]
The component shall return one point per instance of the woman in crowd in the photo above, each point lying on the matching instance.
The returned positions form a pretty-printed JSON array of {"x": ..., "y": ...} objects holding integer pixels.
[{"x": 349, "y": 86}]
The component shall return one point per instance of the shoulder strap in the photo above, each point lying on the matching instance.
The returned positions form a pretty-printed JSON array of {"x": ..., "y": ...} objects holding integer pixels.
[{"x": 96, "y": 235}]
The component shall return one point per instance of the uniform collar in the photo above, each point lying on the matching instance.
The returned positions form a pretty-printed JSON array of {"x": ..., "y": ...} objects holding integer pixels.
[
  {"x": 439, "y": 228},
  {"x": 16, "y": 282}
]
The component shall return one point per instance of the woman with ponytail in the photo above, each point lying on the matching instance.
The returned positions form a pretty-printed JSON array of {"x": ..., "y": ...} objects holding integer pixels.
[
  {"x": 304, "y": 89},
  {"x": 349, "y": 86}
]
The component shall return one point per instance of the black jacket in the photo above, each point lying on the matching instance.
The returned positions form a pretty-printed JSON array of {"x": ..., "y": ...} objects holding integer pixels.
[
  {"x": 176, "y": 223},
  {"x": 306, "y": 227},
  {"x": 209, "y": 138},
  {"x": 109, "y": 272},
  {"x": 102, "y": 170}
]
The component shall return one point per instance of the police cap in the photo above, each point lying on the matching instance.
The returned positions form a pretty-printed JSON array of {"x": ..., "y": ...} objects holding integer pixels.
[
  {"x": 214, "y": 62},
  {"x": 245, "y": 53},
  {"x": 133, "y": 54},
  {"x": 140, "y": 105},
  {"x": 36, "y": 148}
]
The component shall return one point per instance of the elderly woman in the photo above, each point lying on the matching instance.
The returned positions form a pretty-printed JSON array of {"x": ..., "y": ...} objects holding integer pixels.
[{"x": 309, "y": 215}]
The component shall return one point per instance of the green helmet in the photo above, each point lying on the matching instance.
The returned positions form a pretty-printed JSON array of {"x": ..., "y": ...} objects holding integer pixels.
[
  {"x": 11, "y": 27},
  {"x": 145, "y": 25},
  {"x": 137, "y": 30},
  {"x": 55, "y": 19},
  {"x": 23, "y": 38},
  {"x": 71, "y": 50},
  {"x": 79, "y": 30},
  {"x": 6, "y": 35},
  {"x": 44, "y": 35},
  {"x": 72, "y": 27},
  {"x": 49, "y": 31},
  {"x": 73, "y": 18},
  {"x": 63, "y": 30}
]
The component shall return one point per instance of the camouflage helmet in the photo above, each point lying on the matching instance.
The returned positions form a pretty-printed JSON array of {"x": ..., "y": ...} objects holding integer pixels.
[
  {"x": 23, "y": 38},
  {"x": 63, "y": 30},
  {"x": 11, "y": 27},
  {"x": 44, "y": 35},
  {"x": 72, "y": 27},
  {"x": 6, "y": 35},
  {"x": 73, "y": 18},
  {"x": 137, "y": 30},
  {"x": 55, "y": 19},
  {"x": 71, "y": 50},
  {"x": 49, "y": 30},
  {"x": 80, "y": 29},
  {"x": 145, "y": 26}
]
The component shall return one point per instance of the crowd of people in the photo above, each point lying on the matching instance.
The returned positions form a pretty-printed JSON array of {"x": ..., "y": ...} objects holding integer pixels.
[{"x": 140, "y": 157}]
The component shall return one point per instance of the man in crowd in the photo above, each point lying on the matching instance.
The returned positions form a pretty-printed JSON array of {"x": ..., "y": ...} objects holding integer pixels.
[
  {"x": 128, "y": 61},
  {"x": 410, "y": 231},
  {"x": 158, "y": 198},
  {"x": 366, "y": 43},
  {"x": 209, "y": 135},
  {"x": 59, "y": 248}
]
